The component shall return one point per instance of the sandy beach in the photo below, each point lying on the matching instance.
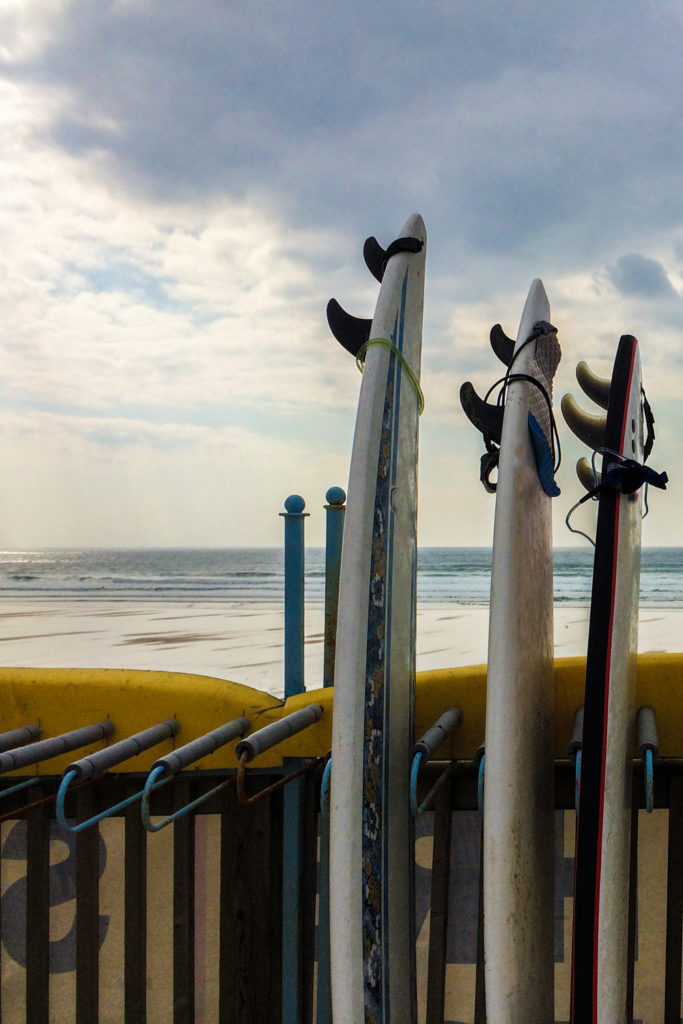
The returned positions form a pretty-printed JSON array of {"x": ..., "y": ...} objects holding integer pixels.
[{"x": 243, "y": 641}]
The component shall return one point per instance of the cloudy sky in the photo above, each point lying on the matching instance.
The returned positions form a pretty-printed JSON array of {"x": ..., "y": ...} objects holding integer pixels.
[{"x": 184, "y": 185}]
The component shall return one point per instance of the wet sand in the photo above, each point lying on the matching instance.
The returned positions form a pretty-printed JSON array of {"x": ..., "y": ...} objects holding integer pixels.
[{"x": 243, "y": 641}]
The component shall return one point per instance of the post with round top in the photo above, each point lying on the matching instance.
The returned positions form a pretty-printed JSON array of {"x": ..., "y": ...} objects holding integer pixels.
[
  {"x": 294, "y": 516},
  {"x": 334, "y": 532}
]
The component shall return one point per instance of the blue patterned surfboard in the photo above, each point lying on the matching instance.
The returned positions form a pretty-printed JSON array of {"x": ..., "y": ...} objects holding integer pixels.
[{"x": 371, "y": 833}]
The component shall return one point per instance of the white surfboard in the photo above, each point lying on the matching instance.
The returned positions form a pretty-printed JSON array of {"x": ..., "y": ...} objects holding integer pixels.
[
  {"x": 518, "y": 789},
  {"x": 372, "y": 939}
]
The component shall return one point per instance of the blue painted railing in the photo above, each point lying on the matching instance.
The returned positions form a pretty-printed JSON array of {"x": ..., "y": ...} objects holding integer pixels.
[
  {"x": 334, "y": 533},
  {"x": 295, "y": 567},
  {"x": 294, "y": 816},
  {"x": 294, "y": 517}
]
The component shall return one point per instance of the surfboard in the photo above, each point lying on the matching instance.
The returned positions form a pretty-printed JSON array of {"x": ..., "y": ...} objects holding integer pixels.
[
  {"x": 372, "y": 938},
  {"x": 601, "y": 888},
  {"x": 518, "y": 822}
]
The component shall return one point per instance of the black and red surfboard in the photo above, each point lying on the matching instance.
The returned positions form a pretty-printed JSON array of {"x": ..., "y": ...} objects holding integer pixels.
[{"x": 599, "y": 982}]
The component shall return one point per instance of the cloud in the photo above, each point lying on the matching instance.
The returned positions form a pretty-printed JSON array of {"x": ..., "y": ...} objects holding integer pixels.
[
  {"x": 511, "y": 123},
  {"x": 634, "y": 274},
  {"x": 79, "y": 481},
  {"x": 111, "y": 302},
  {"x": 184, "y": 186}
]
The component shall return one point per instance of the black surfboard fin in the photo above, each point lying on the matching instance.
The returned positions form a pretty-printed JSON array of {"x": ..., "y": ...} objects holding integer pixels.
[
  {"x": 502, "y": 346},
  {"x": 486, "y": 418},
  {"x": 375, "y": 257},
  {"x": 350, "y": 331},
  {"x": 588, "y": 428},
  {"x": 596, "y": 388}
]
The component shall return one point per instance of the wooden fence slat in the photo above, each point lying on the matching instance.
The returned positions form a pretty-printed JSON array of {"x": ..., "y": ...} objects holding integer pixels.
[
  {"x": 135, "y": 914},
  {"x": 438, "y": 920},
  {"x": 87, "y": 912},
  {"x": 323, "y": 1009},
  {"x": 310, "y": 869},
  {"x": 183, "y": 910},
  {"x": 1, "y": 926},
  {"x": 38, "y": 912},
  {"x": 632, "y": 906},
  {"x": 292, "y": 881},
  {"x": 480, "y": 983},
  {"x": 674, "y": 904},
  {"x": 251, "y": 910}
]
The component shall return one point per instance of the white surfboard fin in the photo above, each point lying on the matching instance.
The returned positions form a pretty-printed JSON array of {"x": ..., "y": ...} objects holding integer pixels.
[
  {"x": 502, "y": 346},
  {"x": 584, "y": 471},
  {"x": 350, "y": 331},
  {"x": 376, "y": 257},
  {"x": 596, "y": 388},
  {"x": 486, "y": 418},
  {"x": 588, "y": 428}
]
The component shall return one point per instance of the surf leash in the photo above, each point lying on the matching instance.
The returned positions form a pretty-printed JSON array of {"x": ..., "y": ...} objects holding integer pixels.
[
  {"x": 488, "y": 416},
  {"x": 649, "y": 423},
  {"x": 408, "y": 370},
  {"x": 626, "y": 476}
]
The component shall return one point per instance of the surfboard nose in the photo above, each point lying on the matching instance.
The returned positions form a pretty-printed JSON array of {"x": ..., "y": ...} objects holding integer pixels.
[{"x": 415, "y": 227}]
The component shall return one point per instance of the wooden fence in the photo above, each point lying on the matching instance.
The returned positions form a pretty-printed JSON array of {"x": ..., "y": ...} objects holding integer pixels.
[{"x": 116, "y": 924}]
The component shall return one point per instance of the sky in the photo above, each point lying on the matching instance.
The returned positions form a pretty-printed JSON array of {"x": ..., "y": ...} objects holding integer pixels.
[{"x": 185, "y": 185}]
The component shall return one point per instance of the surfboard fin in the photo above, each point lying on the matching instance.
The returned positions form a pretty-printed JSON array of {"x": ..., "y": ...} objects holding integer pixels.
[
  {"x": 376, "y": 258},
  {"x": 488, "y": 419},
  {"x": 374, "y": 255},
  {"x": 502, "y": 346},
  {"x": 594, "y": 387},
  {"x": 588, "y": 428},
  {"x": 584, "y": 471},
  {"x": 353, "y": 331},
  {"x": 350, "y": 331}
]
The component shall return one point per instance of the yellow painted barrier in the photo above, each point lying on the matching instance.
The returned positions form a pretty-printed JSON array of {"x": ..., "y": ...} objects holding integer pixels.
[{"x": 63, "y": 699}]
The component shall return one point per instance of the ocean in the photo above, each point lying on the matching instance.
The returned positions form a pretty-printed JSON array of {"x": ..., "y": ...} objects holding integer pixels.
[{"x": 458, "y": 575}]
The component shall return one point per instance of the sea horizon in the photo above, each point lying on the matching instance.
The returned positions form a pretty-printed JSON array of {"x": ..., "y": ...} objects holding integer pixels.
[
  {"x": 457, "y": 575},
  {"x": 280, "y": 547}
]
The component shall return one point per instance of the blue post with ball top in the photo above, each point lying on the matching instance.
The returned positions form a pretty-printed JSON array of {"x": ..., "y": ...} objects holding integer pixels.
[{"x": 294, "y": 517}]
